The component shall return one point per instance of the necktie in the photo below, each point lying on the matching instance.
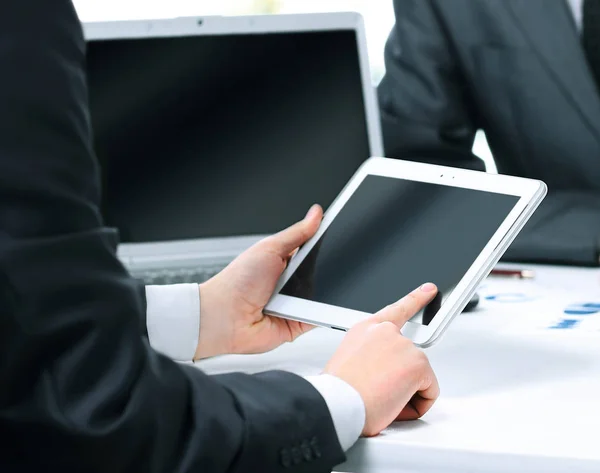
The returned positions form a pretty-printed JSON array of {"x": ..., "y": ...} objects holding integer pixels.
[{"x": 591, "y": 37}]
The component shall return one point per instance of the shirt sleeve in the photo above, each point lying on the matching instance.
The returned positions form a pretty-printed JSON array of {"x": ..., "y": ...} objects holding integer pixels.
[
  {"x": 173, "y": 320},
  {"x": 345, "y": 405}
]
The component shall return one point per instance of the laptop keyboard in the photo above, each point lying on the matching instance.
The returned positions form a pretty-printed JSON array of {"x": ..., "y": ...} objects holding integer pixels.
[{"x": 177, "y": 275}]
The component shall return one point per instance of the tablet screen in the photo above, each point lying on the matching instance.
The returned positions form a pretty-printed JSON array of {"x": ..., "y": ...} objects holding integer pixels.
[{"x": 394, "y": 235}]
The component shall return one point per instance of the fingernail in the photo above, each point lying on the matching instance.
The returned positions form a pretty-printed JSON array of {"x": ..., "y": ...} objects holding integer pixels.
[
  {"x": 312, "y": 211},
  {"x": 428, "y": 287}
]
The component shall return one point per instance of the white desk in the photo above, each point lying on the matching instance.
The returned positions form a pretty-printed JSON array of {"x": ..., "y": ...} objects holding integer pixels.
[{"x": 526, "y": 402}]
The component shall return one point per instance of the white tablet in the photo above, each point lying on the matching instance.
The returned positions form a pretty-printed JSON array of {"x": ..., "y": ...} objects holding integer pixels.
[{"x": 396, "y": 225}]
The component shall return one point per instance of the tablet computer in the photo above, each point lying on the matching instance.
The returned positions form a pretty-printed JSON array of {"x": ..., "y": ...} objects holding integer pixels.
[{"x": 396, "y": 225}]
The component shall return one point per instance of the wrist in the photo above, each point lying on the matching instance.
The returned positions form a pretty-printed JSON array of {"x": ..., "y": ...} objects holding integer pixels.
[{"x": 211, "y": 338}]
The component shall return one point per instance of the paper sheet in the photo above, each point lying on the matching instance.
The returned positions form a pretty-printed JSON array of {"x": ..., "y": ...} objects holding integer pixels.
[{"x": 533, "y": 305}]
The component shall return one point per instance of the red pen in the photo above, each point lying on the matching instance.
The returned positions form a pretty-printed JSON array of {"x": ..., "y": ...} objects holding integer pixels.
[{"x": 513, "y": 273}]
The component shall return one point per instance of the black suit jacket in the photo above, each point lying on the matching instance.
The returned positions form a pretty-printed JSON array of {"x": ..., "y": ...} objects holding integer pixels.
[
  {"x": 80, "y": 389},
  {"x": 516, "y": 69}
]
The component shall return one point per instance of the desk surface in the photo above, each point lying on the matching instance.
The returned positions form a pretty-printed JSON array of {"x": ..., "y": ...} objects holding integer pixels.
[{"x": 520, "y": 383}]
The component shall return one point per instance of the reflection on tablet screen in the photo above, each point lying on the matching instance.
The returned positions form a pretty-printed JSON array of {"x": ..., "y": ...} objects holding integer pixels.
[{"x": 392, "y": 236}]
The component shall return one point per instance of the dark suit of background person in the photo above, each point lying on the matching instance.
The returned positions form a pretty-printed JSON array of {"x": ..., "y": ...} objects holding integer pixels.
[
  {"x": 80, "y": 388},
  {"x": 517, "y": 70}
]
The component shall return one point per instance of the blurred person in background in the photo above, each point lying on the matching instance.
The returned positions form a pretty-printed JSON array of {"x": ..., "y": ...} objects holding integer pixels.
[{"x": 527, "y": 72}]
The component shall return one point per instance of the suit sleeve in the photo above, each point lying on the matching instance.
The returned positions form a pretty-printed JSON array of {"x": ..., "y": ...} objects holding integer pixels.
[
  {"x": 426, "y": 114},
  {"x": 81, "y": 388},
  {"x": 564, "y": 230}
]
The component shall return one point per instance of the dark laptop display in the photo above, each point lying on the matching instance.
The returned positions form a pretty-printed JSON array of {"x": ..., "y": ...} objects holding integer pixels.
[{"x": 224, "y": 135}]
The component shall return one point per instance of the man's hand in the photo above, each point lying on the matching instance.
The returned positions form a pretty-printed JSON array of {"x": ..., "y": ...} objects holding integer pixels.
[
  {"x": 232, "y": 302},
  {"x": 392, "y": 376}
]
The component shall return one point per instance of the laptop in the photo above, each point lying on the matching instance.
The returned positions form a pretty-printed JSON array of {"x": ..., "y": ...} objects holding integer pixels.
[{"x": 212, "y": 133}]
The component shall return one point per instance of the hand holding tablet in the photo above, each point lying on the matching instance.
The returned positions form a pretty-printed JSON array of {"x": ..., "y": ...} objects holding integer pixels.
[
  {"x": 390, "y": 374},
  {"x": 395, "y": 225}
]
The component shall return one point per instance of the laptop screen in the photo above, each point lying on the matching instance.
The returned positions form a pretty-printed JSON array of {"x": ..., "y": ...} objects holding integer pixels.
[{"x": 224, "y": 135}]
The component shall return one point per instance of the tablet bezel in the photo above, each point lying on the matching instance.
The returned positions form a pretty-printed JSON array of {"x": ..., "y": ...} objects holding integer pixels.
[{"x": 530, "y": 193}]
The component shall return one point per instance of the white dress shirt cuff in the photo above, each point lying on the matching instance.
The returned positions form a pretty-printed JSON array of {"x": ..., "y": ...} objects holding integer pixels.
[
  {"x": 173, "y": 319},
  {"x": 345, "y": 405}
]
